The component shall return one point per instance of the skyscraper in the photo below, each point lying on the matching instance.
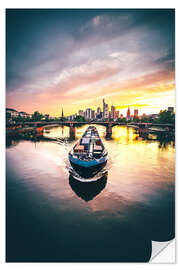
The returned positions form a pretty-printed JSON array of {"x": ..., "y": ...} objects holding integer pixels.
[
  {"x": 92, "y": 114},
  {"x": 98, "y": 110},
  {"x": 88, "y": 114},
  {"x": 106, "y": 116},
  {"x": 128, "y": 117},
  {"x": 104, "y": 108},
  {"x": 113, "y": 112},
  {"x": 117, "y": 114},
  {"x": 99, "y": 113},
  {"x": 136, "y": 113}
]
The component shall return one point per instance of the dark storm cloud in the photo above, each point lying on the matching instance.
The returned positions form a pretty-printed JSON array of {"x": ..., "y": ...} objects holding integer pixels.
[{"x": 41, "y": 43}]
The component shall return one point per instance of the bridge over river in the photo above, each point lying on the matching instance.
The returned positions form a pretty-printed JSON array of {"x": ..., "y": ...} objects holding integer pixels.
[{"x": 143, "y": 128}]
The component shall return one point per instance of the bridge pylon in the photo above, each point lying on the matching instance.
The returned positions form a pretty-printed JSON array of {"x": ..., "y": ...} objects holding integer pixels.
[
  {"x": 72, "y": 131},
  {"x": 109, "y": 130}
]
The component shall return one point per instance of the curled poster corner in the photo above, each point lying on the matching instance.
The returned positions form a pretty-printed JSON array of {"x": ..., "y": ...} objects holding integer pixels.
[{"x": 158, "y": 248}]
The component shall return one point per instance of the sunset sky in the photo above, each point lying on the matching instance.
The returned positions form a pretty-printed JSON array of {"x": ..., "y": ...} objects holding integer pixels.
[{"x": 75, "y": 58}]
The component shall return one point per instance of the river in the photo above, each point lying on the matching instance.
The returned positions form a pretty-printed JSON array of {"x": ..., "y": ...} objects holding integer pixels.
[{"x": 51, "y": 217}]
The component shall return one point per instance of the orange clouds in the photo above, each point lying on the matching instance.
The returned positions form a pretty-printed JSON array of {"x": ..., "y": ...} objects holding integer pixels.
[
  {"x": 145, "y": 82},
  {"x": 83, "y": 87}
]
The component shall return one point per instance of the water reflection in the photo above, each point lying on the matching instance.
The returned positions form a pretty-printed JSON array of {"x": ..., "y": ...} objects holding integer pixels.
[
  {"x": 10, "y": 142},
  {"x": 87, "y": 191},
  {"x": 120, "y": 134},
  {"x": 52, "y": 217}
]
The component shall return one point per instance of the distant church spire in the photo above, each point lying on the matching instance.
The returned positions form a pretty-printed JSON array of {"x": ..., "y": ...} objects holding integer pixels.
[{"x": 62, "y": 115}]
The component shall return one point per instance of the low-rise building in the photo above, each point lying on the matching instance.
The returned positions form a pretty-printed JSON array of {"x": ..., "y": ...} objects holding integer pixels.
[
  {"x": 153, "y": 116},
  {"x": 13, "y": 112},
  {"x": 81, "y": 113},
  {"x": 51, "y": 117},
  {"x": 171, "y": 109},
  {"x": 24, "y": 114}
]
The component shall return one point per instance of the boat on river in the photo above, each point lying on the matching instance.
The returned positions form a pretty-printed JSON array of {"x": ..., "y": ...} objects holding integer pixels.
[{"x": 88, "y": 156}]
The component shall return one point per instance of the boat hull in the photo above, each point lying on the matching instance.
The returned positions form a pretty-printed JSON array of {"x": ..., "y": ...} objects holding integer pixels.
[{"x": 87, "y": 168}]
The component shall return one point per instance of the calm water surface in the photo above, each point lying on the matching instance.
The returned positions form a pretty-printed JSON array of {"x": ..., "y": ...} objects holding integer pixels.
[{"x": 53, "y": 217}]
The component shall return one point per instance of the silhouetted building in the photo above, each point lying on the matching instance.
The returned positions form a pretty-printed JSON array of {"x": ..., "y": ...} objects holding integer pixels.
[
  {"x": 136, "y": 113},
  {"x": 24, "y": 114},
  {"x": 88, "y": 114},
  {"x": 99, "y": 113},
  {"x": 12, "y": 112},
  {"x": 92, "y": 114},
  {"x": 105, "y": 110},
  {"x": 128, "y": 117},
  {"x": 171, "y": 109},
  {"x": 113, "y": 112},
  {"x": 62, "y": 115},
  {"x": 104, "y": 105},
  {"x": 81, "y": 113},
  {"x": 117, "y": 115},
  {"x": 46, "y": 116},
  {"x": 99, "y": 116},
  {"x": 98, "y": 110},
  {"x": 153, "y": 116}
]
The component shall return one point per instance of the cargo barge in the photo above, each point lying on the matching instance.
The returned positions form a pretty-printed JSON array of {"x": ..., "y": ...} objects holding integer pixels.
[{"x": 88, "y": 156}]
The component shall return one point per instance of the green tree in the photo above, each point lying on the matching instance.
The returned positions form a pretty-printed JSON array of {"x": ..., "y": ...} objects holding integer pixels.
[
  {"x": 122, "y": 120},
  {"x": 37, "y": 116},
  {"x": 166, "y": 117},
  {"x": 8, "y": 118},
  {"x": 111, "y": 120},
  {"x": 79, "y": 118},
  {"x": 19, "y": 119},
  {"x": 135, "y": 119},
  {"x": 145, "y": 119},
  {"x": 8, "y": 115}
]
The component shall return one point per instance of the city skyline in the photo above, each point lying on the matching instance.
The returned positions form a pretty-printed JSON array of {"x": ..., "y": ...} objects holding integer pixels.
[
  {"x": 75, "y": 58},
  {"x": 101, "y": 112}
]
